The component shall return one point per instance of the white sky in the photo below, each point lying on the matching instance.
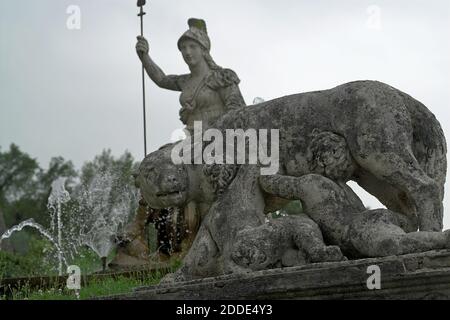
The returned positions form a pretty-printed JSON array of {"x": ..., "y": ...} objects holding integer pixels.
[{"x": 75, "y": 92}]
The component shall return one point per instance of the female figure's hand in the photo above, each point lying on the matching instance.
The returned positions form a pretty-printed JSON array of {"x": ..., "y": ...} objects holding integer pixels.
[
  {"x": 155, "y": 73},
  {"x": 142, "y": 47}
]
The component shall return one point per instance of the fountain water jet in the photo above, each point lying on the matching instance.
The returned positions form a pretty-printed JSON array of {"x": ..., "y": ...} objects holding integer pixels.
[
  {"x": 58, "y": 196},
  {"x": 105, "y": 205},
  {"x": 32, "y": 224},
  {"x": 100, "y": 210}
]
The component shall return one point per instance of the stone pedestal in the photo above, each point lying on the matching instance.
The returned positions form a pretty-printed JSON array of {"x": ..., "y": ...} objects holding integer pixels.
[{"x": 414, "y": 276}]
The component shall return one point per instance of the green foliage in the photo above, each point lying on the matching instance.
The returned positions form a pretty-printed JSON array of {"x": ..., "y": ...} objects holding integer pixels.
[
  {"x": 33, "y": 263},
  {"x": 120, "y": 172},
  {"x": 96, "y": 287},
  {"x": 24, "y": 191},
  {"x": 88, "y": 261},
  {"x": 57, "y": 167},
  {"x": 105, "y": 162},
  {"x": 105, "y": 198},
  {"x": 25, "y": 188},
  {"x": 17, "y": 173},
  {"x": 17, "y": 183},
  {"x": 292, "y": 208}
]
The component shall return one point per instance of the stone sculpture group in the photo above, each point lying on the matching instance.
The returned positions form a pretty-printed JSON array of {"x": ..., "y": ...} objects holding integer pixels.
[{"x": 364, "y": 131}]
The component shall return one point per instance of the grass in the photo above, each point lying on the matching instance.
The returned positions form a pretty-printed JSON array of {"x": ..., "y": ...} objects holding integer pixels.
[
  {"x": 95, "y": 288},
  {"x": 36, "y": 263}
]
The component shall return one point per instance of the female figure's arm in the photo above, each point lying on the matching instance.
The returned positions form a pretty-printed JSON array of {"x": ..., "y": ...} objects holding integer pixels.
[{"x": 153, "y": 70}]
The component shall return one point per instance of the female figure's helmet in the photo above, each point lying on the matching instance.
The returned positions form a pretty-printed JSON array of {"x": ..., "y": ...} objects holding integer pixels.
[{"x": 197, "y": 32}]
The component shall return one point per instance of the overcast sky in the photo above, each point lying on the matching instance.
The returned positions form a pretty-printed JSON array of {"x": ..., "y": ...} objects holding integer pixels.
[{"x": 74, "y": 92}]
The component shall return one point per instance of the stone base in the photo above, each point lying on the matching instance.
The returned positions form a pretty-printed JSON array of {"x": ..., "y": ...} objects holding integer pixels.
[{"x": 414, "y": 276}]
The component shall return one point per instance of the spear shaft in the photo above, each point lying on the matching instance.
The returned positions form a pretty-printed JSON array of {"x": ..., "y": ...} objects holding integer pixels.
[{"x": 141, "y": 4}]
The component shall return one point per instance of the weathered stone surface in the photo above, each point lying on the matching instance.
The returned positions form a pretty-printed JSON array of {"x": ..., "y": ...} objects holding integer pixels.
[
  {"x": 284, "y": 242},
  {"x": 396, "y": 147},
  {"x": 133, "y": 248},
  {"x": 365, "y": 131},
  {"x": 413, "y": 276},
  {"x": 208, "y": 91}
]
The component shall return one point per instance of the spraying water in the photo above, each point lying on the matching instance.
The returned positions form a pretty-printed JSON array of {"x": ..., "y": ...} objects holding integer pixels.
[
  {"x": 58, "y": 197},
  {"x": 100, "y": 211},
  {"x": 105, "y": 206},
  {"x": 32, "y": 224}
]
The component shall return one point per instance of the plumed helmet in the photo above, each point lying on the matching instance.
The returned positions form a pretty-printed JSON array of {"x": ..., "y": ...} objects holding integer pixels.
[{"x": 197, "y": 32}]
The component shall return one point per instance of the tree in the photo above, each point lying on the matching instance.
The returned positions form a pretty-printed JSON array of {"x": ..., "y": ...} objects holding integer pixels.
[
  {"x": 18, "y": 184},
  {"x": 5, "y": 246},
  {"x": 24, "y": 189},
  {"x": 120, "y": 171},
  {"x": 57, "y": 168},
  {"x": 103, "y": 195},
  {"x": 17, "y": 175},
  {"x": 106, "y": 162},
  {"x": 104, "y": 201}
]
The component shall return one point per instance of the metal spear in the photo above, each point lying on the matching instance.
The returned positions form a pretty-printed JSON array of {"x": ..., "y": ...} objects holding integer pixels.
[{"x": 141, "y": 4}]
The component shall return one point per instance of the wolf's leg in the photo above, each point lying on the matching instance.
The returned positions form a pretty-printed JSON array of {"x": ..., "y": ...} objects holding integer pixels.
[
  {"x": 397, "y": 166},
  {"x": 391, "y": 197}
]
